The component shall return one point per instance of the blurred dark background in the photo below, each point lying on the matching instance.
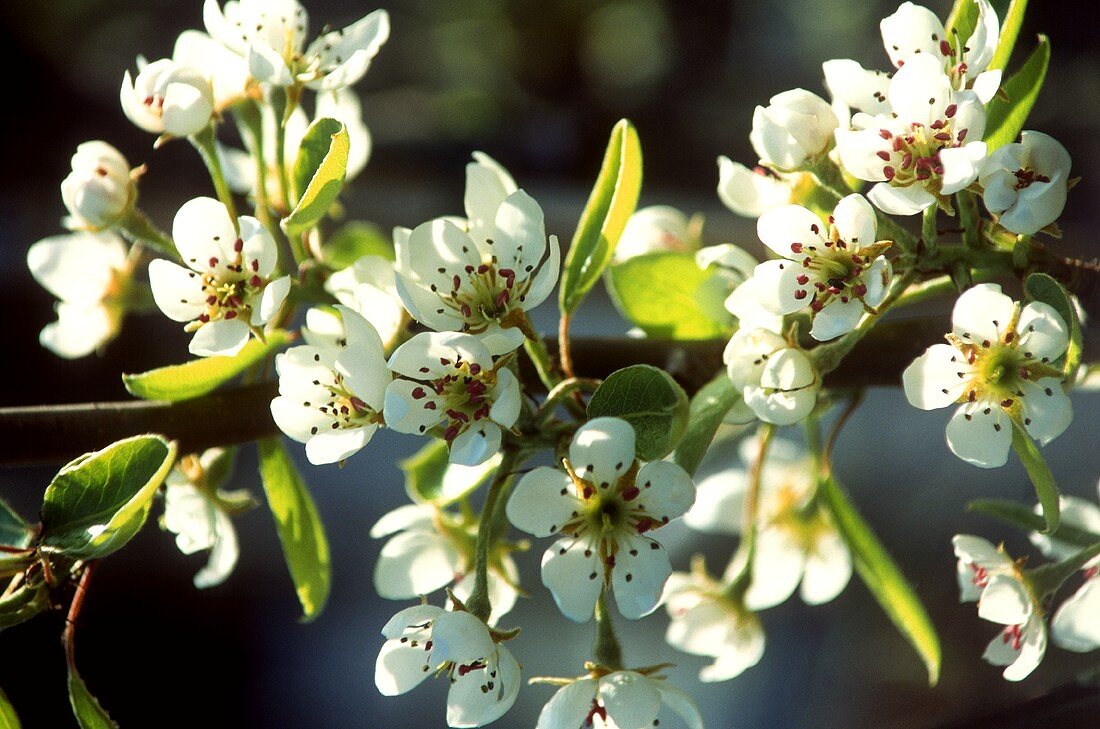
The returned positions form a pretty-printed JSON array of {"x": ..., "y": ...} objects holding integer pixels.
[{"x": 538, "y": 86}]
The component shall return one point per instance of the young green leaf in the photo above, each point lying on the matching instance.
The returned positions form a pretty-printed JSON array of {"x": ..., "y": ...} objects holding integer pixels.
[
  {"x": 14, "y": 530},
  {"x": 300, "y": 530},
  {"x": 651, "y": 401},
  {"x": 8, "y": 718},
  {"x": 430, "y": 477},
  {"x": 691, "y": 302},
  {"x": 89, "y": 714},
  {"x": 1010, "y": 31},
  {"x": 23, "y": 603},
  {"x": 200, "y": 376},
  {"x": 1024, "y": 517},
  {"x": 884, "y": 578},
  {"x": 962, "y": 21},
  {"x": 1044, "y": 288},
  {"x": 97, "y": 503},
  {"x": 318, "y": 175},
  {"x": 613, "y": 199},
  {"x": 353, "y": 241},
  {"x": 1005, "y": 119},
  {"x": 1039, "y": 473},
  {"x": 708, "y": 408}
]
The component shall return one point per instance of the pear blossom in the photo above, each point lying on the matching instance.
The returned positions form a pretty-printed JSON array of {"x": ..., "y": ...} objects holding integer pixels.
[
  {"x": 797, "y": 544},
  {"x": 836, "y": 269},
  {"x": 368, "y": 287},
  {"x": 227, "y": 290},
  {"x": 167, "y": 98},
  {"x": 430, "y": 548},
  {"x": 653, "y": 229},
  {"x": 225, "y": 70},
  {"x": 778, "y": 382},
  {"x": 426, "y": 640},
  {"x": 602, "y": 505},
  {"x": 197, "y": 519},
  {"x": 927, "y": 147},
  {"x": 734, "y": 266},
  {"x": 331, "y": 395},
  {"x": 449, "y": 379},
  {"x": 997, "y": 366},
  {"x": 793, "y": 131},
  {"x": 707, "y": 622},
  {"x": 617, "y": 700},
  {"x": 1020, "y": 646},
  {"x": 978, "y": 561},
  {"x": 100, "y": 188},
  {"x": 92, "y": 275},
  {"x": 1025, "y": 183},
  {"x": 271, "y": 34},
  {"x": 482, "y": 276},
  {"x": 751, "y": 193}
]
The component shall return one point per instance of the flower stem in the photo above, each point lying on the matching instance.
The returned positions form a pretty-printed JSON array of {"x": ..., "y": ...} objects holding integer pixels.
[
  {"x": 204, "y": 143},
  {"x": 563, "y": 345},
  {"x": 970, "y": 219},
  {"x": 741, "y": 575},
  {"x": 284, "y": 105},
  {"x": 606, "y": 649},
  {"x": 140, "y": 229},
  {"x": 68, "y": 636},
  {"x": 478, "y": 603},
  {"x": 929, "y": 236}
]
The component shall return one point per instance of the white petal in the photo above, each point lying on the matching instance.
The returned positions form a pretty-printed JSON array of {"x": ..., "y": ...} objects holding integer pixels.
[
  {"x": 1047, "y": 410},
  {"x": 177, "y": 292},
  {"x": 542, "y": 502},
  {"x": 265, "y": 64},
  {"x": 80, "y": 329},
  {"x": 788, "y": 370},
  {"x": 700, "y": 629},
  {"x": 781, "y": 227},
  {"x": 602, "y": 450},
  {"x": 900, "y": 200},
  {"x": 224, "y": 555},
  {"x": 410, "y": 620},
  {"x": 484, "y": 695},
  {"x": 258, "y": 248},
  {"x": 920, "y": 91},
  {"x": 77, "y": 267},
  {"x": 201, "y": 230},
  {"x": 520, "y": 236},
  {"x": 477, "y": 444},
  {"x": 776, "y": 568},
  {"x": 960, "y": 166},
  {"x": 547, "y": 276},
  {"x": 1005, "y": 600},
  {"x": 414, "y": 563},
  {"x": 406, "y": 408},
  {"x": 982, "y": 313},
  {"x": 631, "y": 699},
  {"x": 749, "y": 193},
  {"x": 681, "y": 704},
  {"x": 400, "y": 667},
  {"x": 855, "y": 221},
  {"x": 222, "y": 338},
  {"x": 837, "y": 318},
  {"x": 1076, "y": 512},
  {"x": 568, "y": 708},
  {"x": 828, "y": 569},
  {"x": 1076, "y": 624},
  {"x": 780, "y": 408},
  {"x": 932, "y": 380},
  {"x": 980, "y": 434},
  {"x": 856, "y": 86},
  {"x": 487, "y": 185},
  {"x": 187, "y": 107},
  {"x": 718, "y": 500},
  {"x": 641, "y": 568},
  {"x": 666, "y": 490},
  {"x": 410, "y": 516},
  {"x": 430, "y": 355},
  {"x": 571, "y": 570},
  {"x": 271, "y": 301},
  {"x": 982, "y": 552},
  {"x": 858, "y": 151},
  {"x": 777, "y": 286},
  {"x": 911, "y": 30},
  {"x": 506, "y": 399},
  {"x": 461, "y": 637},
  {"x": 336, "y": 445},
  {"x": 1044, "y": 335}
]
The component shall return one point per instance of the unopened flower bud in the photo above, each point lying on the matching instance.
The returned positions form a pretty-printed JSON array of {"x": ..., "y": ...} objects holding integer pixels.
[
  {"x": 99, "y": 189},
  {"x": 168, "y": 97},
  {"x": 793, "y": 130}
]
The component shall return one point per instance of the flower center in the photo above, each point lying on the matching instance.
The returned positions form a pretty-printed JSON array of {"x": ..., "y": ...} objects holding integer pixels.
[
  {"x": 465, "y": 394},
  {"x": 836, "y": 270},
  {"x": 228, "y": 290},
  {"x": 914, "y": 154},
  {"x": 1026, "y": 177},
  {"x": 485, "y": 295}
]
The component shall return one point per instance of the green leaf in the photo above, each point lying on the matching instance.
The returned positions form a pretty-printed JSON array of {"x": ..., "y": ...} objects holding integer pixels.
[
  {"x": 1046, "y": 580},
  {"x": 613, "y": 199},
  {"x": 89, "y": 714},
  {"x": 651, "y": 401},
  {"x": 318, "y": 174},
  {"x": 97, "y": 503},
  {"x": 962, "y": 20},
  {"x": 8, "y": 718},
  {"x": 691, "y": 301},
  {"x": 22, "y": 604},
  {"x": 200, "y": 376},
  {"x": 708, "y": 408},
  {"x": 1005, "y": 119},
  {"x": 1024, "y": 517},
  {"x": 300, "y": 530},
  {"x": 14, "y": 530},
  {"x": 430, "y": 477},
  {"x": 884, "y": 578},
  {"x": 1044, "y": 288},
  {"x": 1010, "y": 31},
  {"x": 1039, "y": 473},
  {"x": 353, "y": 241}
]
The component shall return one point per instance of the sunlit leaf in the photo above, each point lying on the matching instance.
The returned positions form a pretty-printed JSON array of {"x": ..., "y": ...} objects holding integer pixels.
[
  {"x": 1039, "y": 473},
  {"x": 690, "y": 304},
  {"x": 89, "y": 714},
  {"x": 1044, "y": 288},
  {"x": 1005, "y": 119},
  {"x": 318, "y": 174},
  {"x": 708, "y": 407},
  {"x": 1010, "y": 31},
  {"x": 651, "y": 401}
]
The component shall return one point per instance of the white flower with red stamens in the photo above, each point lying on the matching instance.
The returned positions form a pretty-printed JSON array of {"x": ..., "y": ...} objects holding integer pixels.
[
  {"x": 751, "y": 193},
  {"x": 167, "y": 98},
  {"x": 778, "y": 382},
  {"x": 654, "y": 229},
  {"x": 707, "y": 622},
  {"x": 998, "y": 367},
  {"x": 331, "y": 394},
  {"x": 429, "y": 548},
  {"x": 92, "y": 276},
  {"x": 1025, "y": 183},
  {"x": 480, "y": 278},
  {"x": 834, "y": 268},
  {"x": 226, "y": 291},
  {"x": 929, "y": 146},
  {"x": 617, "y": 700},
  {"x": 602, "y": 505},
  {"x": 367, "y": 286},
  {"x": 425, "y": 641},
  {"x": 793, "y": 130},
  {"x": 448, "y": 379},
  {"x": 1020, "y": 647},
  {"x": 100, "y": 188},
  {"x": 978, "y": 561}
]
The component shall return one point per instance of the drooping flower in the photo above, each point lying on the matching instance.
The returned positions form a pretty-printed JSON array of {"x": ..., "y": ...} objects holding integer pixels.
[
  {"x": 1025, "y": 183},
  {"x": 617, "y": 700},
  {"x": 997, "y": 366},
  {"x": 1020, "y": 647},
  {"x": 367, "y": 286},
  {"x": 430, "y": 548},
  {"x": 167, "y": 98},
  {"x": 92, "y": 276},
  {"x": 797, "y": 544},
  {"x": 331, "y": 395},
  {"x": 751, "y": 193},
  {"x": 480, "y": 279},
  {"x": 978, "y": 561},
  {"x": 449, "y": 379},
  {"x": 226, "y": 291},
  {"x": 425, "y": 640},
  {"x": 602, "y": 506},
  {"x": 777, "y": 381},
  {"x": 793, "y": 131},
  {"x": 100, "y": 188},
  {"x": 654, "y": 229},
  {"x": 926, "y": 148},
  {"x": 271, "y": 34},
  {"x": 834, "y": 268}
]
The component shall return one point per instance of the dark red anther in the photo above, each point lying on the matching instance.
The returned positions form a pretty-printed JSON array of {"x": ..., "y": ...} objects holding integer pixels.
[
  {"x": 859, "y": 290},
  {"x": 796, "y": 247},
  {"x": 502, "y": 298},
  {"x": 418, "y": 393},
  {"x": 949, "y": 112},
  {"x": 806, "y": 262},
  {"x": 466, "y": 310},
  {"x": 883, "y": 155},
  {"x": 476, "y": 387},
  {"x": 430, "y": 405},
  {"x": 588, "y": 491},
  {"x": 211, "y": 300},
  {"x": 204, "y": 318},
  {"x": 645, "y": 524},
  {"x": 816, "y": 306},
  {"x": 255, "y": 265},
  {"x": 238, "y": 245},
  {"x": 230, "y": 314},
  {"x": 962, "y": 135},
  {"x": 475, "y": 368},
  {"x": 884, "y": 133},
  {"x": 630, "y": 493},
  {"x": 457, "y": 282},
  {"x": 888, "y": 172},
  {"x": 483, "y": 268},
  {"x": 907, "y": 161},
  {"x": 450, "y": 433},
  {"x": 943, "y": 137},
  {"x": 802, "y": 279},
  {"x": 256, "y": 281},
  {"x": 800, "y": 294},
  {"x": 213, "y": 261},
  {"x": 469, "y": 268},
  {"x": 458, "y": 415},
  {"x": 945, "y": 48}
]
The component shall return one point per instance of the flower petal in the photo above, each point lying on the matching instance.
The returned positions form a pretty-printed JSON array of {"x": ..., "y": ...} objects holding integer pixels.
[
  {"x": 932, "y": 381},
  {"x": 602, "y": 450},
  {"x": 222, "y": 338},
  {"x": 781, "y": 227},
  {"x": 572, "y": 572},
  {"x": 641, "y": 569},
  {"x": 777, "y": 568},
  {"x": 338, "y": 444},
  {"x": 1075, "y": 625},
  {"x": 568, "y": 708},
  {"x": 477, "y": 444},
  {"x": 542, "y": 502},
  {"x": 980, "y": 434},
  {"x": 681, "y": 704},
  {"x": 414, "y": 563},
  {"x": 1005, "y": 600},
  {"x": 631, "y": 699},
  {"x": 1043, "y": 333},
  {"x": 667, "y": 490},
  {"x": 855, "y": 221},
  {"x": 749, "y": 193},
  {"x": 837, "y": 318},
  {"x": 506, "y": 399},
  {"x": 401, "y": 668},
  {"x": 430, "y": 355},
  {"x": 177, "y": 292},
  {"x": 982, "y": 313},
  {"x": 483, "y": 695},
  {"x": 900, "y": 200},
  {"x": 201, "y": 230},
  {"x": 411, "y": 407},
  {"x": 1047, "y": 410},
  {"x": 828, "y": 569}
]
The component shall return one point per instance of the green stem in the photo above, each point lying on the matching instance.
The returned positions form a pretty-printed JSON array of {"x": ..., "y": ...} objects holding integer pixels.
[
  {"x": 284, "y": 105},
  {"x": 540, "y": 357},
  {"x": 742, "y": 575},
  {"x": 606, "y": 649},
  {"x": 829, "y": 177},
  {"x": 828, "y": 356},
  {"x": 970, "y": 219},
  {"x": 929, "y": 235},
  {"x": 1021, "y": 252},
  {"x": 204, "y": 143},
  {"x": 1047, "y": 579},
  {"x": 478, "y": 603},
  {"x": 140, "y": 229},
  {"x": 562, "y": 394}
]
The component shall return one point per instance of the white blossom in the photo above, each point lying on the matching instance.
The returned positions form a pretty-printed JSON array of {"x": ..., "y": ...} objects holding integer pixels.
[
  {"x": 226, "y": 290},
  {"x": 271, "y": 35},
  {"x": 331, "y": 395},
  {"x": 927, "y": 147},
  {"x": 226, "y": 72},
  {"x": 836, "y": 269},
  {"x": 734, "y": 266},
  {"x": 91, "y": 275},
  {"x": 793, "y": 131},
  {"x": 654, "y": 229},
  {"x": 602, "y": 505},
  {"x": 997, "y": 366},
  {"x": 368, "y": 287},
  {"x": 617, "y": 700},
  {"x": 448, "y": 379},
  {"x": 1020, "y": 647},
  {"x": 426, "y": 641},
  {"x": 197, "y": 519},
  {"x": 978, "y": 561},
  {"x": 100, "y": 188},
  {"x": 167, "y": 98},
  {"x": 479, "y": 275},
  {"x": 777, "y": 381},
  {"x": 751, "y": 193},
  {"x": 1025, "y": 183}
]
